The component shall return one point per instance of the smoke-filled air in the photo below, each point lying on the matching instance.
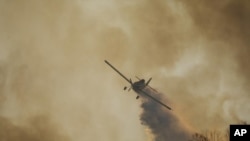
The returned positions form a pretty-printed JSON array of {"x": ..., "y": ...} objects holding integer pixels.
[{"x": 55, "y": 86}]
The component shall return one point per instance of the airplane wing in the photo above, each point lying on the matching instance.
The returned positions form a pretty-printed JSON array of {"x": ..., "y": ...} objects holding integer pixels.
[
  {"x": 156, "y": 100},
  {"x": 129, "y": 81}
]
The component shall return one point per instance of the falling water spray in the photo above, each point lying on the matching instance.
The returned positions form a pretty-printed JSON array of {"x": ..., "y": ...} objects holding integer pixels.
[{"x": 163, "y": 123}]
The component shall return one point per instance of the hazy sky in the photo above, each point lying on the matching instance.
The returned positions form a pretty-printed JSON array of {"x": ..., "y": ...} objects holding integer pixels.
[{"x": 54, "y": 84}]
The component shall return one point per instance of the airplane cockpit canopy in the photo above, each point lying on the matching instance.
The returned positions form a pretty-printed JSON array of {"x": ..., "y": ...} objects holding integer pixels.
[{"x": 142, "y": 81}]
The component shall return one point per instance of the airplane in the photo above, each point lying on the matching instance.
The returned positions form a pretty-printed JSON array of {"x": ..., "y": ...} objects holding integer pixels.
[{"x": 138, "y": 86}]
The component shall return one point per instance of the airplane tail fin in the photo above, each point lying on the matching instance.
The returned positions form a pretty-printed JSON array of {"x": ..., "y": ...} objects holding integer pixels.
[{"x": 148, "y": 81}]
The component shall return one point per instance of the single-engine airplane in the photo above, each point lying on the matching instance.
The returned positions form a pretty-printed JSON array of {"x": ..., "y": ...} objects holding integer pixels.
[{"x": 138, "y": 86}]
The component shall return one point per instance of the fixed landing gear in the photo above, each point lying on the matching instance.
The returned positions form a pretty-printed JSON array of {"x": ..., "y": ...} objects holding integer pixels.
[{"x": 125, "y": 88}]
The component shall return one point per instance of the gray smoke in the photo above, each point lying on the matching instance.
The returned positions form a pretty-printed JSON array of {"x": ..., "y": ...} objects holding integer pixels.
[
  {"x": 38, "y": 128},
  {"x": 51, "y": 64},
  {"x": 163, "y": 123}
]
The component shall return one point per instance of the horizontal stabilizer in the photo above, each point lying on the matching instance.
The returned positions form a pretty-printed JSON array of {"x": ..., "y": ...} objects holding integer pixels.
[{"x": 148, "y": 81}]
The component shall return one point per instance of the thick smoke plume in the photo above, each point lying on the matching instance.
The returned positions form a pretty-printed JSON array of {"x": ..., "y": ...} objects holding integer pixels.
[
  {"x": 164, "y": 124},
  {"x": 51, "y": 64}
]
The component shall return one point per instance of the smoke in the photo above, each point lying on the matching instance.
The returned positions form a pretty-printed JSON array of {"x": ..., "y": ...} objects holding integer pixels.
[
  {"x": 37, "y": 129},
  {"x": 164, "y": 124},
  {"x": 51, "y": 64}
]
